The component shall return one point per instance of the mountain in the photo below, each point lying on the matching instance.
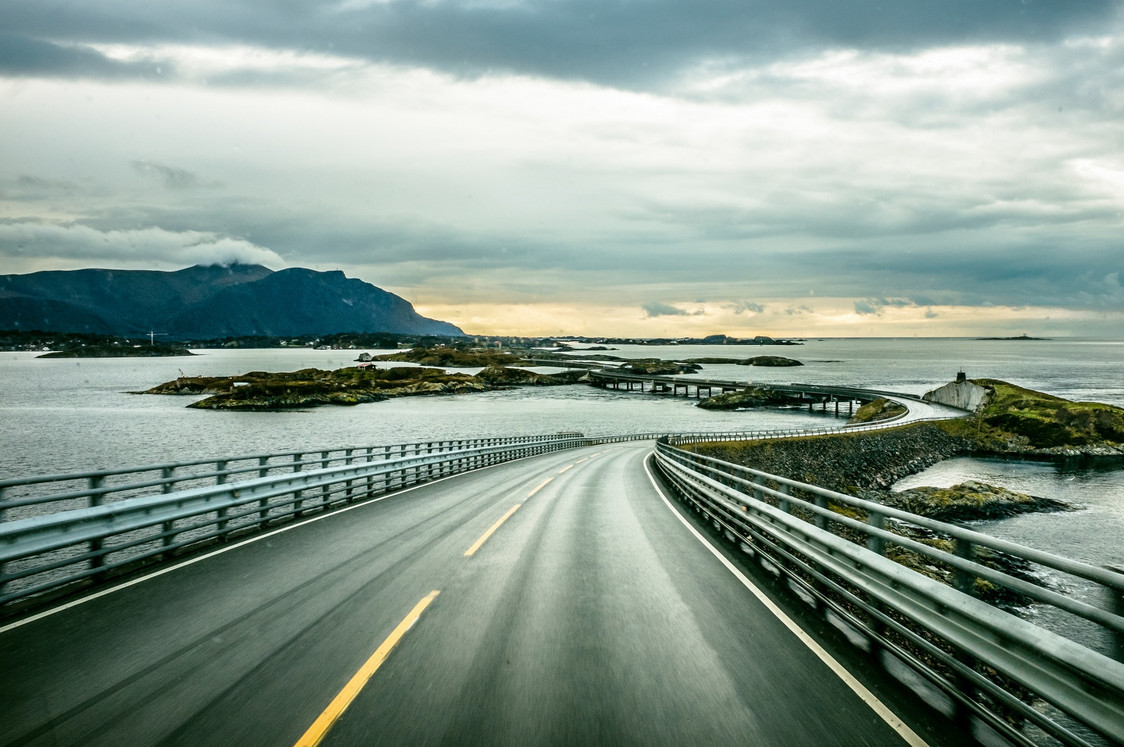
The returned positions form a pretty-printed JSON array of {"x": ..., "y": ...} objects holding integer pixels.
[{"x": 207, "y": 302}]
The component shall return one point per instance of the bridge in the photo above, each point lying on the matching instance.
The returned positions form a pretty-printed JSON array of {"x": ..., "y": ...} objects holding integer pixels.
[{"x": 561, "y": 588}]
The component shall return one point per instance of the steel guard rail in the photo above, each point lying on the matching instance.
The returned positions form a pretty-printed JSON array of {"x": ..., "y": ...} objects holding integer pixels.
[
  {"x": 45, "y": 552},
  {"x": 983, "y": 659}
]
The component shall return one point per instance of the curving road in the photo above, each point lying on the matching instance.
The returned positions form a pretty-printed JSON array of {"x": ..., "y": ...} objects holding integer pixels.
[{"x": 558, "y": 599}]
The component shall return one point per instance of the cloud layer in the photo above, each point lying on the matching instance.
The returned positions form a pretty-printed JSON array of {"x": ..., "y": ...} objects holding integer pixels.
[{"x": 745, "y": 163}]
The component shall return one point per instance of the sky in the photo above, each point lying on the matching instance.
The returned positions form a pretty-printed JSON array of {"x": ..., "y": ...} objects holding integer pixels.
[{"x": 644, "y": 168}]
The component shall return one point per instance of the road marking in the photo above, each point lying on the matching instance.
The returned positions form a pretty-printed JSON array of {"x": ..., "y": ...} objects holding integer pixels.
[
  {"x": 541, "y": 485},
  {"x": 339, "y": 704},
  {"x": 581, "y": 460},
  {"x": 911, "y": 738},
  {"x": 567, "y": 468},
  {"x": 484, "y": 537}
]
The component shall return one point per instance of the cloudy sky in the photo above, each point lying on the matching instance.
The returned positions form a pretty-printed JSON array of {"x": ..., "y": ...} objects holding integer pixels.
[{"x": 600, "y": 167}]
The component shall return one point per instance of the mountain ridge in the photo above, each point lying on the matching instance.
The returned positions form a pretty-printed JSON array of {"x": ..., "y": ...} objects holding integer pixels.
[{"x": 207, "y": 301}]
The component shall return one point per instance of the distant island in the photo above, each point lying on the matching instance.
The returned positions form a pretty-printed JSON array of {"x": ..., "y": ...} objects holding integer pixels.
[
  {"x": 145, "y": 350},
  {"x": 1018, "y": 337}
]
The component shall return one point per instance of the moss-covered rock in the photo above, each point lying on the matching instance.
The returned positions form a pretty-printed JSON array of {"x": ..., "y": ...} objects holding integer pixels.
[
  {"x": 504, "y": 376},
  {"x": 310, "y": 387},
  {"x": 1015, "y": 420},
  {"x": 773, "y": 361},
  {"x": 969, "y": 501},
  {"x": 657, "y": 367},
  {"x": 447, "y": 357},
  {"x": 879, "y": 409},
  {"x": 746, "y": 398}
]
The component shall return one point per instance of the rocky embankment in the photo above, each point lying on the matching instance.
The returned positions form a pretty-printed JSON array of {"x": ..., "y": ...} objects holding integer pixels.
[{"x": 854, "y": 463}]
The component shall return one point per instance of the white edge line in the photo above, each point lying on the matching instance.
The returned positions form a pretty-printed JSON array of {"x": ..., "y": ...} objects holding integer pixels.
[
  {"x": 880, "y": 708},
  {"x": 241, "y": 543}
]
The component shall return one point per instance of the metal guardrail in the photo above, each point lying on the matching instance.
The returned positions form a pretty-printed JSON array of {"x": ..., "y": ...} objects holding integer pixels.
[
  {"x": 52, "y": 524},
  {"x": 151, "y": 512},
  {"x": 990, "y": 665}
]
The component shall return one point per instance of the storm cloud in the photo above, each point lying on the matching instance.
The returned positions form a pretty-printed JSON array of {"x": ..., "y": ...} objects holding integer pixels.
[{"x": 860, "y": 163}]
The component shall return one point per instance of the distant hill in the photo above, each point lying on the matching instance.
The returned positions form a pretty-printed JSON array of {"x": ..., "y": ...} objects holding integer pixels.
[{"x": 204, "y": 302}]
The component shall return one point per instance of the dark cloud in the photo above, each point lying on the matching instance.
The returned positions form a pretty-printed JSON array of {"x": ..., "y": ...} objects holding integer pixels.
[
  {"x": 22, "y": 56},
  {"x": 618, "y": 42},
  {"x": 171, "y": 177},
  {"x": 741, "y": 307},
  {"x": 657, "y": 308}
]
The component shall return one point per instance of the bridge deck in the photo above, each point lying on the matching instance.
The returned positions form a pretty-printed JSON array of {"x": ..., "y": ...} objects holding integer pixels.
[{"x": 589, "y": 615}]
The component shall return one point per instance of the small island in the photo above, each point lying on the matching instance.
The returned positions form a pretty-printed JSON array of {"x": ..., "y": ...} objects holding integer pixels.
[
  {"x": 115, "y": 350},
  {"x": 311, "y": 387}
]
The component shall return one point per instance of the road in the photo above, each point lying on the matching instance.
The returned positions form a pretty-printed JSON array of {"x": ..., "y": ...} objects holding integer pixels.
[{"x": 558, "y": 599}]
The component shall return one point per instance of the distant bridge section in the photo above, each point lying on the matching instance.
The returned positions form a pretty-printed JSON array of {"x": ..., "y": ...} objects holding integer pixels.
[{"x": 812, "y": 395}]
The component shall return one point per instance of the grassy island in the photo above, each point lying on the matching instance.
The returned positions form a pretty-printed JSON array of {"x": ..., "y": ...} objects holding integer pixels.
[
  {"x": 1014, "y": 420},
  {"x": 311, "y": 387}
]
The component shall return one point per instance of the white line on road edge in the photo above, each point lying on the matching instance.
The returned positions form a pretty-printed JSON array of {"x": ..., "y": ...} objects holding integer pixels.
[{"x": 911, "y": 738}]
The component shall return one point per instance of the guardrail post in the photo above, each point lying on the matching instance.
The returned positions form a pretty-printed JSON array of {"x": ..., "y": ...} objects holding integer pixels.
[
  {"x": 963, "y": 580},
  {"x": 220, "y": 479},
  {"x": 821, "y": 519},
  {"x": 1116, "y": 607},
  {"x": 297, "y": 461},
  {"x": 167, "y": 473},
  {"x": 97, "y": 484},
  {"x": 263, "y": 470},
  {"x": 783, "y": 503},
  {"x": 347, "y": 460},
  {"x": 325, "y": 493},
  {"x": 875, "y": 543}
]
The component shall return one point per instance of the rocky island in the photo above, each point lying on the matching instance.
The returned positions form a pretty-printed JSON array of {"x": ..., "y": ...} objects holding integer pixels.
[
  {"x": 311, "y": 387},
  {"x": 116, "y": 350}
]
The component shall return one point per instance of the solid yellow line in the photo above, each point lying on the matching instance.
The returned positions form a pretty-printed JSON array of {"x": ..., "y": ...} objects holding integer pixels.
[
  {"x": 484, "y": 537},
  {"x": 542, "y": 485},
  {"x": 339, "y": 704},
  {"x": 565, "y": 469}
]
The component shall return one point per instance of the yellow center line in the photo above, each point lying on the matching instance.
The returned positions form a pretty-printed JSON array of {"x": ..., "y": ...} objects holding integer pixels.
[
  {"x": 542, "y": 485},
  {"x": 484, "y": 537},
  {"x": 581, "y": 460},
  {"x": 564, "y": 469},
  {"x": 339, "y": 704}
]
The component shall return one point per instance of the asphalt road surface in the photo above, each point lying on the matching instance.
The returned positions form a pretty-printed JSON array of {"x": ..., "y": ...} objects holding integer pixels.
[{"x": 554, "y": 600}]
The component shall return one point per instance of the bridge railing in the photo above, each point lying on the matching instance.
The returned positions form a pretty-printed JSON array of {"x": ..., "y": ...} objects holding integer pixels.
[
  {"x": 29, "y": 496},
  {"x": 151, "y": 512},
  {"x": 840, "y": 554}
]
